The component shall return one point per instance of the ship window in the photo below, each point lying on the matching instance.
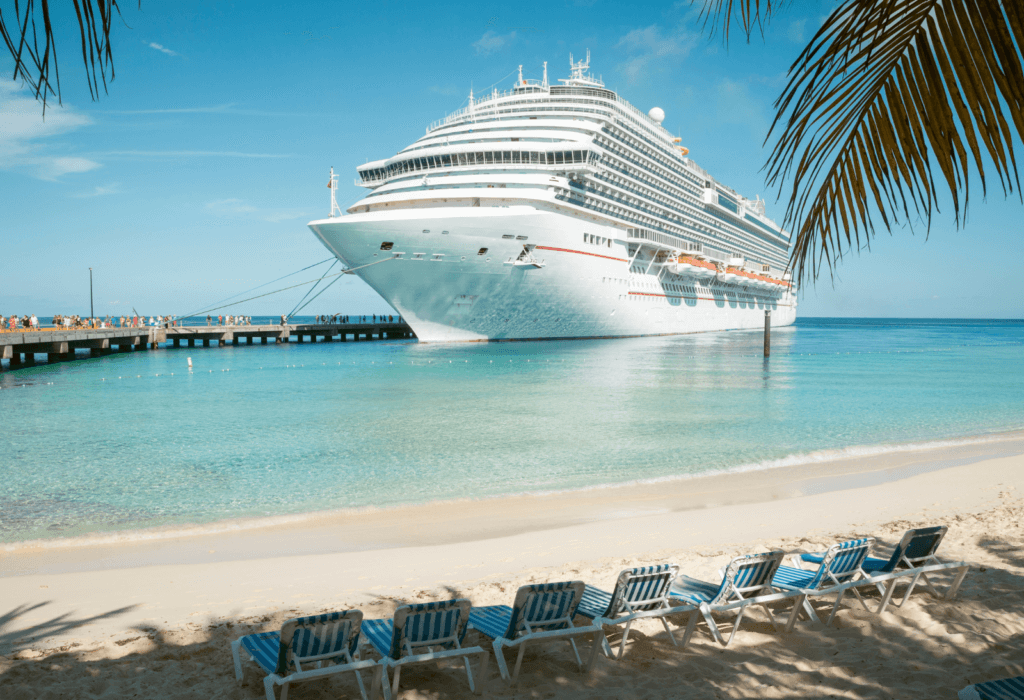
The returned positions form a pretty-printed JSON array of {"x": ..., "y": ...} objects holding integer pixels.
[
  {"x": 551, "y": 158},
  {"x": 508, "y": 156},
  {"x": 482, "y": 251},
  {"x": 558, "y": 158},
  {"x": 387, "y": 245},
  {"x": 489, "y": 157},
  {"x": 521, "y": 238},
  {"x": 508, "y": 236},
  {"x": 479, "y": 158},
  {"x": 577, "y": 156},
  {"x": 515, "y": 157}
]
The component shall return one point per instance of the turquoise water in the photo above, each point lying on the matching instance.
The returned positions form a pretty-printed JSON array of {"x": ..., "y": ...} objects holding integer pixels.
[{"x": 133, "y": 441}]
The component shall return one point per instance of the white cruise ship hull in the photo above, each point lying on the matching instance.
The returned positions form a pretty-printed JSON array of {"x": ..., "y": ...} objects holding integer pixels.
[{"x": 435, "y": 277}]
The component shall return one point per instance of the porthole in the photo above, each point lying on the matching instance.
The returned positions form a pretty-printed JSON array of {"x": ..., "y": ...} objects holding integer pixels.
[
  {"x": 387, "y": 245},
  {"x": 482, "y": 251}
]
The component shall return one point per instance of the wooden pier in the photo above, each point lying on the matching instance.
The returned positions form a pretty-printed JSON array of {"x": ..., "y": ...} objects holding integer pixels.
[{"x": 20, "y": 348}]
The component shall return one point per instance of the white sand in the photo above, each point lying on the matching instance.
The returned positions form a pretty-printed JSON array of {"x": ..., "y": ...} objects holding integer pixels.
[{"x": 164, "y": 629}]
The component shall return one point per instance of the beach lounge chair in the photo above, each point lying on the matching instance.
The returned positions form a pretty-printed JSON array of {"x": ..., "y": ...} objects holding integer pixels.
[
  {"x": 639, "y": 593},
  {"x": 914, "y": 556},
  {"x": 414, "y": 633},
  {"x": 305, "y": 649},
  {"x": 746, "y": 581},
  {"x": 839, "y": 571},
  {"x": 1004, "y": 689},
  {"x": 541, "y": 612}
]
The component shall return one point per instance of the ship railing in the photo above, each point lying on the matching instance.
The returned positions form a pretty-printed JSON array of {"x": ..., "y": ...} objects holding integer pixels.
[{"x": 591, "y": 165}]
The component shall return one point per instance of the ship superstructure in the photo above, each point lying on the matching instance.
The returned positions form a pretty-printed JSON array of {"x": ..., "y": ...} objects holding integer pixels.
[{"x": 559, "y": 211}]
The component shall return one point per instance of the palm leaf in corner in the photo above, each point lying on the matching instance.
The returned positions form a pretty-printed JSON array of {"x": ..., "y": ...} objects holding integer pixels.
[{"x": 887, "y": 91}]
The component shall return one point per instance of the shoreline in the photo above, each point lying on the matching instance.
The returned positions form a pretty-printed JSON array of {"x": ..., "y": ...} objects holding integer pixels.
[{"x": 474, "y": 520}]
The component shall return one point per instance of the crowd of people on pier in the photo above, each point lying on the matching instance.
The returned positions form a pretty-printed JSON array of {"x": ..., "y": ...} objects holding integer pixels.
[
  {"x": 340, "y": 318},
  {"x": 69, "y": 322},
  {"x": 60, "y": 321},
  {"x": 230, "y": 320}
]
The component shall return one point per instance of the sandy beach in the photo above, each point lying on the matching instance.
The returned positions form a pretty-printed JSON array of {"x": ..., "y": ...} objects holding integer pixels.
[{"x": 147, "y": 617}]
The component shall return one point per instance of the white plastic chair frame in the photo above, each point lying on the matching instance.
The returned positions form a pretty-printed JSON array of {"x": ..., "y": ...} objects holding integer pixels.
[
  {"x": 323, "y": 629},
  {"x": 734, "y": 597},
  {"x": 533, "y": 634},
  {"x": 857, "y": 578},
  {"x": 658, "y": 606},
  {"x": 410, "y": 655}
]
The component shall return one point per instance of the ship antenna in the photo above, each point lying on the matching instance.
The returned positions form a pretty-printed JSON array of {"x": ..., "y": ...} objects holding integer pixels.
[
  {"x": 520, "y": 73},
  {"x": 333, "y": 184},
  {"x": 545, "y": 83}
]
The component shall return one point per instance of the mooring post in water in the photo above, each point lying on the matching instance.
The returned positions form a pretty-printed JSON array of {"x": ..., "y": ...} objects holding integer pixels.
[{"x": 767, "y": 332}]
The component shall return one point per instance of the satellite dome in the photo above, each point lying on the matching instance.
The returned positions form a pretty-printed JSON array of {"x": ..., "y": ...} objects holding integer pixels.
[{"x": 657, "y": 114}]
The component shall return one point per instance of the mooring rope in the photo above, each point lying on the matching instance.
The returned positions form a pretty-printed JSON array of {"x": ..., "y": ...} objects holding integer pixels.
[
  {"x": 259, "y": 286},
  {"x": 346, "y": 271},
  {"x": 292, "y": 312}
]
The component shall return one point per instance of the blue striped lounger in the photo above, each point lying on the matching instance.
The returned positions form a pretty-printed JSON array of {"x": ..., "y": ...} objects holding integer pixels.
[
  {"x": 541, "y": 612},
  {"x": 306, "y": 648},
  {"x": 1005, "y": 689},
  {"x": 425, "y": 632}
]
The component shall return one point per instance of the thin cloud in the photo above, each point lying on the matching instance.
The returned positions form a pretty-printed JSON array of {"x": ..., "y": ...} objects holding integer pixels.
[
  {"x": 491, "y": 41},
  {"x": 99, "y": 191},
  {"x": 651, "y": 45},
  {"x": 163, "y": 49},
  {"x": 27, "y": 139}
]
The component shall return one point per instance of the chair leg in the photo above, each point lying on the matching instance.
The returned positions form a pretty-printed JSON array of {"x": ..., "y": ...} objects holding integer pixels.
[
  {"x": 622, "y": 644},
  {"x": 886, "y": 596},
  {"x": 380, "y": 686},
  {"x": 712, "y": 627},
  {"x": 835, "y": 608},
  {"x": 579, "y": 661},
  {"x": 499, "y": 656},
  {"x": 668, "y": 629},
  {"x": 955, "y": 586},
  {"x": 931, "y": 589},
  {"x": 600, "y": 642},
  {"x": 798, "y": 605},
  {"x": 268, "y": 686},
  {"x": 359, "y": 682},
  {"x": 691, "y": 625},
  {"x": 394, "y": 683},
  {"x": 735, "y": 626},
  {"x": 771, "y": 617},
  {"x": 910, "y": 589},
  {"x": 519, "y": 662},
  {"x": 469, "y": 674},
  {"x": 236, "y": 647}
]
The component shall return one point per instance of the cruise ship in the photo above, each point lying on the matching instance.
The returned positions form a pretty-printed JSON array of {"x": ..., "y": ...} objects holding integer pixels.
[{"x": 559, "y": 211}]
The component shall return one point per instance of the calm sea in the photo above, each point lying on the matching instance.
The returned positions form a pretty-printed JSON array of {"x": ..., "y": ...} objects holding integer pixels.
[{"x": 132, "y": 441}]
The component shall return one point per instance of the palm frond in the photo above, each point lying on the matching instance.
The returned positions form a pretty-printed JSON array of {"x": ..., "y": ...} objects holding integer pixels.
[
  {"x": 753, "y": 14},
  {"x": 887, "y": 91},
  {"x": 33, "y": 63}
]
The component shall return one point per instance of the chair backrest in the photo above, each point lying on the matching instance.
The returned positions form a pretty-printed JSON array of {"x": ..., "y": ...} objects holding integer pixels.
[
  {"x": 842, "y": 562},
  {"x": 643, "y": 588},
  {"x": 917, "y": 545},
  {"x": 435, "y": 624},
  {"x": 439, "y": 623},
  {"x": 544, "y": 606},
  {"x": 747, "y": 576},
  {"x": 317, "y": 637}
]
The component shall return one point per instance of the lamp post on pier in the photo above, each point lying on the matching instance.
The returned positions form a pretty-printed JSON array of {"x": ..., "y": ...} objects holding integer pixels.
[{"x": 91, "y": 312}]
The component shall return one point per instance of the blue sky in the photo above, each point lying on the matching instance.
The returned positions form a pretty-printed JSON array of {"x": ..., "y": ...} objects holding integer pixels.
[{"x": 194, "y": 178}]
